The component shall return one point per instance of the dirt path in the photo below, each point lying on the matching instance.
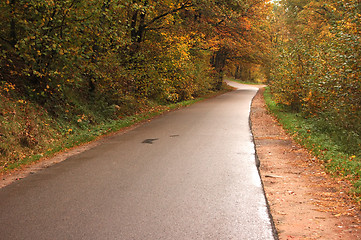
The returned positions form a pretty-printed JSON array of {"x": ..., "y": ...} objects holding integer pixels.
[{"x": 305, "y": 202}]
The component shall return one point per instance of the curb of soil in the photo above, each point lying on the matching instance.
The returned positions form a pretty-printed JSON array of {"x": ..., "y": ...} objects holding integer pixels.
[{"x": 305, "y": 202}]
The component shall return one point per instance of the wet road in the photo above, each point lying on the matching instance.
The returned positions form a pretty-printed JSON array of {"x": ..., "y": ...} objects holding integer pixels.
[{"x": 189, "y": 174}]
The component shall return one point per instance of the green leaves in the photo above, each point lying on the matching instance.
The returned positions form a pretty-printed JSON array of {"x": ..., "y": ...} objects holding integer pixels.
[{"x": 145, "y": 48}]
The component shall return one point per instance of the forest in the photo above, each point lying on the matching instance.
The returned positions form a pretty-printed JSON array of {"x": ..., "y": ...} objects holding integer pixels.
[
  {"x": 315, "y": 72},
  {"x": 72, "y": 67},
  {"x": 68, "y": 66},
  {"x": 317, "y": 67}
]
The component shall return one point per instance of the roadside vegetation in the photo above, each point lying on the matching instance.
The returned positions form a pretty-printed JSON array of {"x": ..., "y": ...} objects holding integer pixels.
[
  {"x": 315, "y": 80},
  {"x": 44, "y": 136},
  {"x": 72, "y": 70},
  {"x": 331, "y": 145}
]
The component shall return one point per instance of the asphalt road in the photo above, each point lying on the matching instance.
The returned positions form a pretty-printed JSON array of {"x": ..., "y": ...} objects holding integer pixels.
[{"x": 189, "y": 174}]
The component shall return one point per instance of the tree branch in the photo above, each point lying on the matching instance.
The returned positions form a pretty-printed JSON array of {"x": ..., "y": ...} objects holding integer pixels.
[
  {"x": 183, "y": 6},
  {"x": 322, "y": 14}
]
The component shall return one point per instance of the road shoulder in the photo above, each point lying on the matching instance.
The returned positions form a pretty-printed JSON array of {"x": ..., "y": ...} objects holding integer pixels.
[{"x": 305, "y": 202}]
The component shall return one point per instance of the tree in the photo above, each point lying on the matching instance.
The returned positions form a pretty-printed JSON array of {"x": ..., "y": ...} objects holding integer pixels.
[
  {"x": 316, "y": 70},
  {"x": 116, "y": 49}
]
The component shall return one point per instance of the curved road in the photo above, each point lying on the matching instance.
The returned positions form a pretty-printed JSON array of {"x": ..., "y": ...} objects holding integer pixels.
[{"x": 189, "y": 174}]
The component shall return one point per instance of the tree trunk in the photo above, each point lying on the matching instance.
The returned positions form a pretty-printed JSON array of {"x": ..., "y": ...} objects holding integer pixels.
[
  {"x": 237, "y": 73},
  {"x": 138, "y": 26},
  {"x": 13, "y": 37},
  {"x": 218, "y": 61},
  {"x": 141, "y": 28},
  {"x": 133, "y": 25}
]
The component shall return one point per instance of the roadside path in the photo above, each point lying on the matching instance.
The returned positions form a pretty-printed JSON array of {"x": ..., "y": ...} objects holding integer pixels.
[{"x": 305, "y": 202}]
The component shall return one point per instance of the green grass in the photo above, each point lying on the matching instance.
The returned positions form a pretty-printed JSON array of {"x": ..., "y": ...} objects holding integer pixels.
[{"x": 339, "y": 150}]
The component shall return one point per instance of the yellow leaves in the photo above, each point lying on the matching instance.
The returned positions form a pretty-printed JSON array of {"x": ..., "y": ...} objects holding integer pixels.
[
  {"x": 168, "y": 19},
  {"x": 179, "y": 47}
]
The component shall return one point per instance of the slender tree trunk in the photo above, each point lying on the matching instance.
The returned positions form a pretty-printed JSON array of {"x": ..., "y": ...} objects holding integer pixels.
[
  {"x": 141, "y": 28},
  {"x": 218, "y": 61},
  {"x": 237, "y": 74},
  {"x": 137, "y": 25},
  {"x": 133, "y": 25},
  {"x": 13, "y": 37}
]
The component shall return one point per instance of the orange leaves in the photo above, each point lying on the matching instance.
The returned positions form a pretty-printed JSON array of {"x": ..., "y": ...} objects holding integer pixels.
[
  {"x": 246, "y": 23},
  {"x": 6, "y": 87}
]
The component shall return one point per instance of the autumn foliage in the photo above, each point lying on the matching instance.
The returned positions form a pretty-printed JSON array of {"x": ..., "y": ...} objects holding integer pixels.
[
  {"x": 316, "y": 72},
  {"x": 86, "y": 62},
  {"x": 316, "y": 69}
]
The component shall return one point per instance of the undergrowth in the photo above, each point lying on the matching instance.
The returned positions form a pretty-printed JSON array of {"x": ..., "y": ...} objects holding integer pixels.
[{"x": 338, "y": 149}]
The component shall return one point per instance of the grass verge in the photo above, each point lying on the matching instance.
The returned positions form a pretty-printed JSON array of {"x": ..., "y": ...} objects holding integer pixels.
[{"x": 338, "y": 150}]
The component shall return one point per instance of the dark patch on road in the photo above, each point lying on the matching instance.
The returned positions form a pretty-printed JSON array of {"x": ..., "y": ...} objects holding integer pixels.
[{"x": 150, "y": 140}]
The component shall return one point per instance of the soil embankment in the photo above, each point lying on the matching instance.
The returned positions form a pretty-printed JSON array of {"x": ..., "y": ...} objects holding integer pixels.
[{"x": 305, "y": 202}]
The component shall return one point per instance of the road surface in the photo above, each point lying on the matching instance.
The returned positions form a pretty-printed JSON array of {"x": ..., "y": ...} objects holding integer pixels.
[{"x": 189, "y": 174}]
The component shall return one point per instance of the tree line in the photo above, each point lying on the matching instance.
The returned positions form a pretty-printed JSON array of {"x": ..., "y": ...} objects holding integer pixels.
[
  {"x": 125, "y": 53},
  {"x": 316, "y": 65}
]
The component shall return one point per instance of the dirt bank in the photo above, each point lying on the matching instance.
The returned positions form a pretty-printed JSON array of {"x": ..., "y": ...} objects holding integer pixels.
[{"x": 305, "y": 202}]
